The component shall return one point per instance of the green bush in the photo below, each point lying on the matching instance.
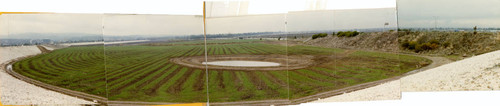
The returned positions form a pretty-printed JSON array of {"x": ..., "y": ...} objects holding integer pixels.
[
  {"x": 412, "y": 45},
  {"x": 422, "y": 47},
  {"x": 405, "y": 44},
  {"x": 340, "y": 34},
  {"x": 446, "y": 44},
  {"x": 320, "y": 35},
  {"x": 426, "y": 46},
  {"x": 434, "y": 42},
  {"x": 347, "y": 34},
  {"x": 434, "y": 46},
  {"x": 475, "y": 30},
  {"x": 352, "y": 34},
  {"x": 418, "y": 48}
]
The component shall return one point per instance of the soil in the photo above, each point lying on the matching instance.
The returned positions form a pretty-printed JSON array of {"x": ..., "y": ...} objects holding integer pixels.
[{"x": 294, "y": 62}]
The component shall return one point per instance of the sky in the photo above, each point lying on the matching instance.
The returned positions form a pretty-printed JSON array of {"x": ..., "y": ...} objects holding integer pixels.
[
  {"x": 160, "y": 24},
  {"x": 412, "y": 13},
  {"x": 52, "y": 23},
  {"x": 301, "y": 15},
  {"x": 248, "y": 23},
  {"x": 184, "y": 7},
  {"x": 3, "y": 26},
  {"x": 344, "y": 19},
  {"x": 152, "y": 25},
  {"x": 280, "y": 6},
  {"x": 449, "y": 13}
]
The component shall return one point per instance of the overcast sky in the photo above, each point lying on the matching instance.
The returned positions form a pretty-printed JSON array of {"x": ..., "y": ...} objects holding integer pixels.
[
  {"x": 449, "y": 13},
  {"x": 244, "y": 24},
  {"x": 345, "y": 19},
  {"x": 301, "y": 15},
  {"x": 191, "y": 23},
  {"x": 284, "y": 6},
  {"x": 412, "y": 13},
  {"x": 3, "y": 26},
  {"x": 152, "y": 25},
  {"x": 53, "y": 23}
]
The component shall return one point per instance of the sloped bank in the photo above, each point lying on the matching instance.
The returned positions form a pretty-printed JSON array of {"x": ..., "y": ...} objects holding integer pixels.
[
  {"x": 476, "y": 73},
  {"x": 18, "y": 92}
]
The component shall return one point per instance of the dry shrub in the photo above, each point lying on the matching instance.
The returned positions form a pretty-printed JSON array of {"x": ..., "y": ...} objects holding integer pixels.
[{"x": 498, "y": 36}]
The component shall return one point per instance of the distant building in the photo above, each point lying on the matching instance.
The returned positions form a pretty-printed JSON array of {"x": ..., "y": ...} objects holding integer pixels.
[{"x": 46, "y": 41}]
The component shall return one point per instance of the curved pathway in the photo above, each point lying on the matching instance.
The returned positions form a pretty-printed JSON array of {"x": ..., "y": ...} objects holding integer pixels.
[{"x": 17, "y": 92}]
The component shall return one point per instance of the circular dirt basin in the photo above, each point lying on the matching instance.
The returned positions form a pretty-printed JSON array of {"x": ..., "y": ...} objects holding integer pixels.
[
  {"x": 236, "y": 63},
  {"x": 247, "y": 62}
]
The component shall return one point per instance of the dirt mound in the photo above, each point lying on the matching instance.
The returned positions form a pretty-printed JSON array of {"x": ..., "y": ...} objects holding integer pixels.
[
  {"x": 294, "y": 61},
  {"x": 379, "y": 41},
  {"x": 43, "y": 49}
]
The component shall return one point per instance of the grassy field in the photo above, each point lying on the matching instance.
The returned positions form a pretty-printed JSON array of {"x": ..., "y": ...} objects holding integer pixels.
[{"x": 144, "y": 73}]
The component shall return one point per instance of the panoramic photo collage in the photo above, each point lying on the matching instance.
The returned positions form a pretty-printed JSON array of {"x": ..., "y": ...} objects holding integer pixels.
[{"x": 238, "y": 53}]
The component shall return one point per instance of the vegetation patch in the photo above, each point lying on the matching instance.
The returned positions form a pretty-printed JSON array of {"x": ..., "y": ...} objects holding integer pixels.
[
  {"x": 144, "y": 72},
  {"x": 320, "y": 35},
  {"x": 448, "y": 43},
  {"x": 346, "y": 33},
  {"x": 419, "y": 47}
]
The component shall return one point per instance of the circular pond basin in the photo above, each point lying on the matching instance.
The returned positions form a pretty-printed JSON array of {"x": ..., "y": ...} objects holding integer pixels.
[{"x": 242, "y": 63}]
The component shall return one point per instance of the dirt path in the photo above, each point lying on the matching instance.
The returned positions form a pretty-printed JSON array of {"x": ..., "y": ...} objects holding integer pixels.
[
  {"x": 436, "y": 62},
  {"x": 43, "y": 49}
]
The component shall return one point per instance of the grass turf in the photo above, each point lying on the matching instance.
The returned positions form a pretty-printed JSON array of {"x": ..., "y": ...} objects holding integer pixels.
[{"x": 144, "y": 72}]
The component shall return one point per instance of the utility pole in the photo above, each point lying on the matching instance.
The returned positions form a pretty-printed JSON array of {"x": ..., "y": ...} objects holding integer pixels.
[
  {"x": 435, "y": 22},
  {"x": 385, "y": 24}
]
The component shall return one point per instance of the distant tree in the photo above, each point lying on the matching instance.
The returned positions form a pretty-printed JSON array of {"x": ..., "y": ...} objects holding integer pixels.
[
  {"x": 295, "y": 37},
  {"x": 347, "y": 33},
  {"x": 475, "y": 28},
  {"x": 412, "y": 45},
  {"x": 319, "y": 35},
  {"x": 260, "y": 38},
  {"x": 340, "y": 34},
  {"x": 279, "y": 38}
]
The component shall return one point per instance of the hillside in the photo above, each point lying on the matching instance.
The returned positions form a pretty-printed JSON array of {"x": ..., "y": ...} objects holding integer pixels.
[
  {"x": 453, "y": 45},
  {"x": 378, "y": 41}
]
